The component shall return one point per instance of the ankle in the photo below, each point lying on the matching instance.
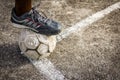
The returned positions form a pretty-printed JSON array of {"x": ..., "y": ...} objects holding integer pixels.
[{"x": 20, "y": 13}]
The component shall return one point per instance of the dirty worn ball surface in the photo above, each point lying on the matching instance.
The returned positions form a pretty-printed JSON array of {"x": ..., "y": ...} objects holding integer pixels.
[
  {"x": 31, "y": 42},
  {"x": 36, "y": 46}
]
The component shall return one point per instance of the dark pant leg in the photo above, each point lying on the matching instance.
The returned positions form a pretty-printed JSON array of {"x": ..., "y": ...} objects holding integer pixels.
[{"x": 22, "y": 6}]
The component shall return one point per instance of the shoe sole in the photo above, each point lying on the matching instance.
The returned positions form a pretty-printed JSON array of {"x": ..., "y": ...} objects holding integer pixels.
[{"x": 24, "y": 27}]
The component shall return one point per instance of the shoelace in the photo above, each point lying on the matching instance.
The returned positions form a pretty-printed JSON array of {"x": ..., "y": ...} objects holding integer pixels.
[{"x": 37, "y": 16}]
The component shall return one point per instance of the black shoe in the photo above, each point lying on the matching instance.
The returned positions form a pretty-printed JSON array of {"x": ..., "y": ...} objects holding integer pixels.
[{"x": 34, "y": 21}]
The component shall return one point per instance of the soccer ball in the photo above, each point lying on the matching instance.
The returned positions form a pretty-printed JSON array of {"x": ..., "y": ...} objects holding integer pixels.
[{"x": 36, "y": 46}]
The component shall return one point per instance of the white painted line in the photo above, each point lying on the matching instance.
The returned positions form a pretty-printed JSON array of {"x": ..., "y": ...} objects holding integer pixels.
[
  {"x": 88, "y": 21},
  {"x": 45, "y": 67}
]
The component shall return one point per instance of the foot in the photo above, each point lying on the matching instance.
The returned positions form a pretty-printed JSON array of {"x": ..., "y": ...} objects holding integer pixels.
[{"x": 34, "y": 21}]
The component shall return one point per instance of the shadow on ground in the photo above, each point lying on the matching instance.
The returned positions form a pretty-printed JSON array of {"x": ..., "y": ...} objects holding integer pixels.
[{"x": 10, "y": 60}]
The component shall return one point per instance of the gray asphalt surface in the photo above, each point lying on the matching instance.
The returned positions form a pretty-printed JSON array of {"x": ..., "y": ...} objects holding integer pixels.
[{"x": 92, "y": 54}]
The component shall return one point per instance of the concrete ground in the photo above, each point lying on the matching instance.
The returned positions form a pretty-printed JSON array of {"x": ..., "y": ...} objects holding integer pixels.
[{"x": 92, "y": 54}]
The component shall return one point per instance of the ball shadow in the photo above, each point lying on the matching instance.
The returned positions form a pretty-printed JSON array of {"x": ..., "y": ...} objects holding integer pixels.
[{"x": 10, "y": 56}]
